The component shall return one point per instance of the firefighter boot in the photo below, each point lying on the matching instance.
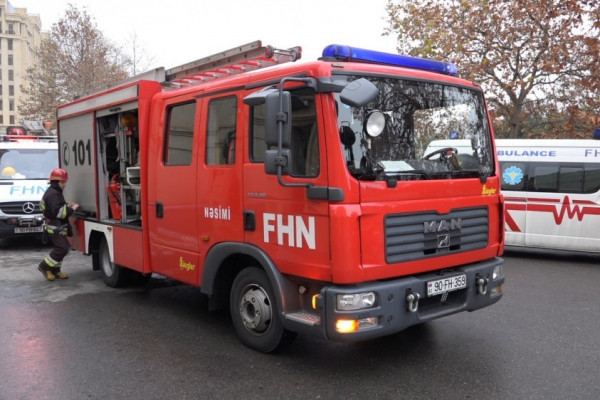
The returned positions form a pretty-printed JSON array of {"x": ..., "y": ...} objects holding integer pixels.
[
  {"x": 58, "y": 274},
  {"x": 44, "y": 269}
]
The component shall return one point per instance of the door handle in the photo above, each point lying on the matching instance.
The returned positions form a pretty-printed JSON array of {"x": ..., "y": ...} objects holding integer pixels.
[{"x": 159, "y": 209}]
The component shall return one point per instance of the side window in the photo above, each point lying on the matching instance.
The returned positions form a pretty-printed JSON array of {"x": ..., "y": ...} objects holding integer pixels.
[
  {"x": 257, "y": 134},
  {"x": 545, "y": 178},
  {"x": 591, "y": 180},
  {"x": 179, "y": 137},
  {"x": 221, "y": 131},
  {"x": 513, "y": 175},
  {"x": 570, "y": 179},
  {"x": 305, "y": 136}
]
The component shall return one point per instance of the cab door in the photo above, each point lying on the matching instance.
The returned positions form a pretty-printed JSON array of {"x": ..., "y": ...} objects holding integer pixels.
[
  {"x": 290, "y": 227},
  {"x": 172, "y": 179}
]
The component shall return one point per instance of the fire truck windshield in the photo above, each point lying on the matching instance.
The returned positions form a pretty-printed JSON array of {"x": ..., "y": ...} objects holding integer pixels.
[{"x": 416, "y": 130}]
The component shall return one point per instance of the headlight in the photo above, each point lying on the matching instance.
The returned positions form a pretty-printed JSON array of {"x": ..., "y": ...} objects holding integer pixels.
[
  {"x": 498, "y": 272},
  {"x": 358, "y": 301}
]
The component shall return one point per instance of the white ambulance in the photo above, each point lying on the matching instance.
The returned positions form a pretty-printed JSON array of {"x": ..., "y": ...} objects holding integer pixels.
[
  {"x": 25, "y": 165},
  {"x": 552, "y": 193}
]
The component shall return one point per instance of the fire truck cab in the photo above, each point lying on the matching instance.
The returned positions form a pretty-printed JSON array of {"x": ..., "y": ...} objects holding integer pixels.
[{"x": 298, "y": 195}]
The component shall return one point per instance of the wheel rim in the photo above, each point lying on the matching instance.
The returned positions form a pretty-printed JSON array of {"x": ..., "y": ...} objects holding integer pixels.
[{"x": 255, "y": 309}]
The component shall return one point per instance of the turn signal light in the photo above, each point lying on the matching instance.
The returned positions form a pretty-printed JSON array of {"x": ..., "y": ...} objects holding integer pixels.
[
  {"x": 354, "y": 325},
  {"x": 346, "y": 325}
]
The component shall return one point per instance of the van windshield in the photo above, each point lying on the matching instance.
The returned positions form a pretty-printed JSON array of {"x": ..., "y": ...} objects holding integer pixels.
[
  {"x": 427, "y": 130},
  {"x": 18, "y": 164}
]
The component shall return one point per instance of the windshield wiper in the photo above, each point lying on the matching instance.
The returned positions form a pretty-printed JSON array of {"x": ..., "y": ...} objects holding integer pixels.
[{"x": 392, "y": 178}]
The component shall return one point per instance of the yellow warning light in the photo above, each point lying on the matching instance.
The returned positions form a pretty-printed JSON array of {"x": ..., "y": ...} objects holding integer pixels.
[
  {"x": 346, "y": 325},
  {"x": 315, "y": 301}
]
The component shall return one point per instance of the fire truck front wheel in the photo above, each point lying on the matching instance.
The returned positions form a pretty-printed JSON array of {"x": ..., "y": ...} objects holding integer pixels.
[
  {"x": 112, "y": 274},
  {"x": 254, "y": 312}
]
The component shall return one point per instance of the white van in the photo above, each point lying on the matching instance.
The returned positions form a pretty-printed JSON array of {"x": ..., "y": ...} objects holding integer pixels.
[
  {"x": 25, "y": 165},
  {"x": 552, "y": 192}
]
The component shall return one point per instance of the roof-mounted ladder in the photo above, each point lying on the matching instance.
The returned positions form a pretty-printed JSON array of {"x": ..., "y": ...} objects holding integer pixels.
[{"x": 248, "y": 57}]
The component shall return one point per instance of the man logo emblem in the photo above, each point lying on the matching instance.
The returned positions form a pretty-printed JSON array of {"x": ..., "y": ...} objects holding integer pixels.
[
  {"x": 28, "y": 207},
  {"x": 443, "y": 241}
]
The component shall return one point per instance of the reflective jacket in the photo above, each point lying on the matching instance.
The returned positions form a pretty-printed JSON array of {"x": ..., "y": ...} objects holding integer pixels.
[{"x": 55, "y": 210}]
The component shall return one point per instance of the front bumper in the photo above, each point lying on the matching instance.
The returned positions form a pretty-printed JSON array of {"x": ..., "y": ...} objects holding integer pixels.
[
  {"x": 21, "y": 226},
  {"x": 394, "y": 313}
]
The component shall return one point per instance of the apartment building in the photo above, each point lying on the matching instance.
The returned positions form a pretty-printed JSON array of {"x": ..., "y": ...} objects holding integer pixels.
[{"x": 20, "y": 35}]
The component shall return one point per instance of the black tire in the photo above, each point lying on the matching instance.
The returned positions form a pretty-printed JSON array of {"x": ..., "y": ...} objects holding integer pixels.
[
  {"x": 254, "y": 312},
  {"x": 112, "y": 274},
  {"x": 45, "y": 239}
]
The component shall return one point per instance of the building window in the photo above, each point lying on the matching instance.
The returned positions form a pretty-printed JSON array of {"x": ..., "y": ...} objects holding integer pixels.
[
  {"x": 10, "y": 59},
  {"x": 11, "y": 75},
  {"x": 12, "y": 120},
  {"x": 10, "y": 44},
  {"x": 1, "y": 119},
  {"x": 11, "y": 105},
  {"x": 11, "y": 90},
  {"x": 11, "y": 29}
]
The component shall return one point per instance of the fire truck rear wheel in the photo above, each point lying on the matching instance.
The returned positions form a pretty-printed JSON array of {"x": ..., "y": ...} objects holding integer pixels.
[
  {"x": 254, "y": 312},
  {"x": 112, "y": 274}
]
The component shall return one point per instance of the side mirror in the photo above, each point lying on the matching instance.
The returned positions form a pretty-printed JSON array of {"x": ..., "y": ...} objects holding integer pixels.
[
  {"x": 278, "y": 113},
  {"x": 273, "y": 161},
  {"x": 359, "y": 93},
  {"x": 276, "y": 109}
]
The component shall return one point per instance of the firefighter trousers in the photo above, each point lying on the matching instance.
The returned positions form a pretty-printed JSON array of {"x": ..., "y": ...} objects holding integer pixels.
[{"x": 60, "y": 249}]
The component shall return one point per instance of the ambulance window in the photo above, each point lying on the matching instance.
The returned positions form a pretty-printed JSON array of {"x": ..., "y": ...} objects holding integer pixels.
[
  {"x": 220, "y": 132},
  {"x": 513, "y": 175},
  {"x": 545, "y": 178},
  {"x": 570, "y": 179},
  {"x": 179, "y": 138},
  {"x": 591, "y": 181}
]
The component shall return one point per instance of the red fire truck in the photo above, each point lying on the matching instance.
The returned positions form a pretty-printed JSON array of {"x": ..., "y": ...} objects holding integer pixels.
[{"x": 299, "y": 195}]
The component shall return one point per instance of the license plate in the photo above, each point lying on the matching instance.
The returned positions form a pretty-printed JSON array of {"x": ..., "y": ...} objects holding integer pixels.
[
  {"x": 30, "y": 229},
  {"x": 444, "y": 285}
]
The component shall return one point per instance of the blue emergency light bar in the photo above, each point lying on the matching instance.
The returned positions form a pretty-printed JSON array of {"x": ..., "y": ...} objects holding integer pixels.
[{"x": 347, "y": 53}]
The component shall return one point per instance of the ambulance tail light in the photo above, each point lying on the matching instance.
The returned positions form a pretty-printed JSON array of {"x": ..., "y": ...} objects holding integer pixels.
[{"x": 347, "y": 53}]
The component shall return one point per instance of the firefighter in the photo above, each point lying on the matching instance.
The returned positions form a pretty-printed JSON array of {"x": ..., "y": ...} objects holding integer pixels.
[{"x": 56, "y": 213}]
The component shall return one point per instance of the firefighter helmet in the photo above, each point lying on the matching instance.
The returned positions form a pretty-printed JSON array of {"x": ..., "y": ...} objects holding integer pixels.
[{"x": 59, "y": 174}]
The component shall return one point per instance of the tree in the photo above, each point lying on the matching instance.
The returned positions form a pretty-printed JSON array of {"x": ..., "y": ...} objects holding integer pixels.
[
  {"x": 534, "y": 58},
  {"x": 73, "y": 61},
  {"x": 140, "y": 60}
]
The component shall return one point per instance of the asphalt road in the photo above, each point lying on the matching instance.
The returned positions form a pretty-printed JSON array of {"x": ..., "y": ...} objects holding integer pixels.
[{"x": 78, "y": 339}]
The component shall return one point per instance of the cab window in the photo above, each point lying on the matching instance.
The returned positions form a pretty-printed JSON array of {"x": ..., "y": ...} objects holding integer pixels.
[
  {"x": 221, "y": 131},
  {"x": 179, "y": 137},
  {"x": 305, "y": 136}
]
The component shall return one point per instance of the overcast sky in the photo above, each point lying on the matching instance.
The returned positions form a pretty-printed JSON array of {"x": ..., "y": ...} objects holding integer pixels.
[{"x": 174, "y": 32}]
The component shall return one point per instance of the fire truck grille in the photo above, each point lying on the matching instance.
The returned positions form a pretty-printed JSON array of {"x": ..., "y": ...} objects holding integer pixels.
[
  {"x": 424, "y": 235},
  {"x": 20, "y": 208}
]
